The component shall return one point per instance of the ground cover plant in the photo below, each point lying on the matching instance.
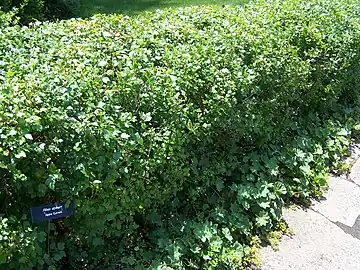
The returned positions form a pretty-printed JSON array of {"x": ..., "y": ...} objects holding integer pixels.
[{"x": 179, "y": 134}]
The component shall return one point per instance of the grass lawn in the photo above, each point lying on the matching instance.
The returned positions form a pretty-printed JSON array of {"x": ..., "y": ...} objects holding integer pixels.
[{"x": 130, "y": 7}]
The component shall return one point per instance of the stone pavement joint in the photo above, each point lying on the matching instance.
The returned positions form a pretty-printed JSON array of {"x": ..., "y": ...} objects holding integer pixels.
[
  {"x": 354, "y": 231},
  {"x": 348, "y": 178}
]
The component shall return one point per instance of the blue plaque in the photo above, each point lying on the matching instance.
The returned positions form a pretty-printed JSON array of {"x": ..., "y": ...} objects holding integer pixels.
[{"x": 51, "y": 211}]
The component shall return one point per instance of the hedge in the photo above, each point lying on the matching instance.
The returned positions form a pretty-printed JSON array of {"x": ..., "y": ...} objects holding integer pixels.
[{"x": 179, "y": 134}]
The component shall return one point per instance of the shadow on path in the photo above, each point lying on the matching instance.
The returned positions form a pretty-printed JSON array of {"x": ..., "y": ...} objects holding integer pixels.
[{"x": 354, "y": 231}]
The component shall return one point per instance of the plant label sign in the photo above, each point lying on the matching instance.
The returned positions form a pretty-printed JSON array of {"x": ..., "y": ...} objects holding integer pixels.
[{"x": 51, "y": 211}]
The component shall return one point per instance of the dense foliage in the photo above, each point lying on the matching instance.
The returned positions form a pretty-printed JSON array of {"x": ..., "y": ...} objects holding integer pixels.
[
  {"x": 178, "y": 134},
  {"x": 31, "y": 10}
]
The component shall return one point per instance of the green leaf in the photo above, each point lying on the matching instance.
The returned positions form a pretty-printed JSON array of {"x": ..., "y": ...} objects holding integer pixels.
[
  {"x": 12, "y": 132},
  {"x": 146, "y": 117},
  {"x": 41, "y": 236},
  {"x": 61, "y": 246},
  {"x": 98, "y": 241},
  {"x": 124, "y": 136},
  {"x": 305, "y": 169},
  {"x": 342, "y": 132},
  {"x": 102, "y": 63},
  {"x": 51, "y": 181},
  {"x": 262, "y": 221},
  {"x": 58, "y": 256},
  {"x": 42, "y": 189},
  {"x": 28, "y": 136},
  {"x": 20, "y": 154},
  {"x": 116, "y": 155},
  {"x": 106, "y": 79},
  {"x": 264, "y": 205},
  {"x": 219, "y": 185},
  {"x": 227, "y": 234}
]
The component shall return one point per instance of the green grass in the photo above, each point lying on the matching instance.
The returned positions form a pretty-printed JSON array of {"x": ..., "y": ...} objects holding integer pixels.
[{"x": 131, "y": 7}]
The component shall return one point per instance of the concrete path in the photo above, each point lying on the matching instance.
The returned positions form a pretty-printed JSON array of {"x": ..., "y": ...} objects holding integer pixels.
[{"x": 327, "y": 235}]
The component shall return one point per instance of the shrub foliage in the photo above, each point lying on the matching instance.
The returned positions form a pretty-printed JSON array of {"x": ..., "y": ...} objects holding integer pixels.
[
  {"x": 179, "y": 134},
  {"x": 32, "y": 10}
]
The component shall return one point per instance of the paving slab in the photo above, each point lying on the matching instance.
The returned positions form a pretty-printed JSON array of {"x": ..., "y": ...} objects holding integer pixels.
[
  {"x": 342, "y": 202},
  {"x": 327, "y": 235},
  {"x": 355, "y": 174}
]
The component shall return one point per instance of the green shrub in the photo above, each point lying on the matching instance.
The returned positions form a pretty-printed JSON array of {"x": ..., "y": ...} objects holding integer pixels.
[
  {"x": 6, "y": 18},
  {"x": 26, "y": 10},
  {"x": 180, "y": 134},
  {"x": 32, "y": 10}
]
